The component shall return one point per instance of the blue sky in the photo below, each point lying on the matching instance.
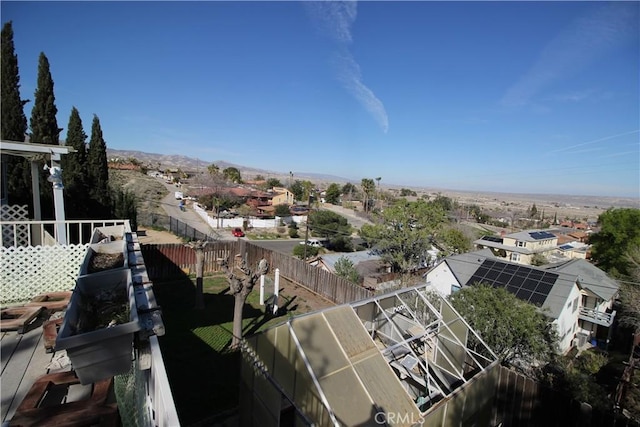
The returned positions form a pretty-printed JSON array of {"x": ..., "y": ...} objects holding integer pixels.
[{"x": 526, "y": 97}]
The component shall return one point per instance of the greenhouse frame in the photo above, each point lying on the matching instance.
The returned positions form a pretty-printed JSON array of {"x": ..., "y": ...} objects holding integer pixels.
[{"x": 403, "y": 358}]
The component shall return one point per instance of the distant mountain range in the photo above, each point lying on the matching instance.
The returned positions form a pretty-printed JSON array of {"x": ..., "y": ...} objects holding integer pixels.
[{"x": 191, "y": 164}]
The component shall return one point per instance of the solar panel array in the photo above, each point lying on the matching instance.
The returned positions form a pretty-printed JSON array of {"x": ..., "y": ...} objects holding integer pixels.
[
  {"x": 526, "y": 283},
  {"x": 492, "y": 239},
  {"x": 541, "y": 235}
]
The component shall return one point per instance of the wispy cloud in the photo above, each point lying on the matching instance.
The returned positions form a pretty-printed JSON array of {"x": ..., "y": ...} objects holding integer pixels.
[
  {"x": 335, "y": 18},
  {"x": 622, "y": 153},
  {"x": 574, "y": 96},
  {"x": 350, "y": 76},
  {"x": 595, "y": 141},
  {"x": 583, "y": 42}
]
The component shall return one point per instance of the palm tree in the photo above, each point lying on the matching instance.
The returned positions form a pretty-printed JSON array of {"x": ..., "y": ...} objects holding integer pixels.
[
  {"x": 368, "y": 187},
  {"x": 378, "y": 196}
]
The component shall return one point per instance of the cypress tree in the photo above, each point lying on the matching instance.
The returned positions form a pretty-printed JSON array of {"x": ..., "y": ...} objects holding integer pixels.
[
  {"x": 14, "y": 122},
  {"x": 98, "y": 172},
  {"x": 125, "y": 207},
  {"x": 44, "y": 126},
  {"x": 74, "y": 169}
]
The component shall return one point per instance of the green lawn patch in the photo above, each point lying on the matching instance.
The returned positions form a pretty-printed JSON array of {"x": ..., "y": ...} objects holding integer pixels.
[{"x": 203, "y": 372}]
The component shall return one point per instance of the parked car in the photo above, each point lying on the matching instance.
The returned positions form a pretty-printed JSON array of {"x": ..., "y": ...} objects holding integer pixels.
[
  {"x": 237, "y": 232},
  {"x": 299, "y": 210},
  {"x": 313, "y": 242}
]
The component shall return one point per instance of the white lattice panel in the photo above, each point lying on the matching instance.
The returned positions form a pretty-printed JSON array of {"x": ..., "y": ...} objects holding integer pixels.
[
  {"x": 29, "y": 271},
  {"x": 14, "y": 213}
]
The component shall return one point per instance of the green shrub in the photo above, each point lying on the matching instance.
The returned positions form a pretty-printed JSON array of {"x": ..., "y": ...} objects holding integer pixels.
[{"x": 298, "y": 251}]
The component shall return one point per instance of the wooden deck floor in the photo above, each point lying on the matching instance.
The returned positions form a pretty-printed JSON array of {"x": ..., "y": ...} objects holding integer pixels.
[{"x": 24, "y": 360}]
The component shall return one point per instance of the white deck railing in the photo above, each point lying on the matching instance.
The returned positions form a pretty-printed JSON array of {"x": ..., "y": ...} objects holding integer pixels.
[
  {"x": 46, "y": 233},
  {"x": 28, "y": 270},
  {"x": 597, "y": 317}
]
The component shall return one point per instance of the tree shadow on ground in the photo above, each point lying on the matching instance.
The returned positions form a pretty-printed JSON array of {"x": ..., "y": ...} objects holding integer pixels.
[{"x": 203, "y": 371}]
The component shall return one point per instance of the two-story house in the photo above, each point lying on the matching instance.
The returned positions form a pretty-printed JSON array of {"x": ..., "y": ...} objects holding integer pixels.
[
  {"x": 520, "y": 247},
  {"x": 282, "y": 196},
  {"x": 577, "y": 295}
]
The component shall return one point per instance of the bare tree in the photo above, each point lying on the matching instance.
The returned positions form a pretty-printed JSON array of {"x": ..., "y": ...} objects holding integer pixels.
[
  {"x": 199, "y": 246},
  {"x": 241, "y": 280},
  {"x": 216, "y": 184}
]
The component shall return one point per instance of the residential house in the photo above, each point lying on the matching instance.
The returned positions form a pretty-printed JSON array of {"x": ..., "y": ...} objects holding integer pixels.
[
  {"x": 400, "y": 359},
  {"x": 578, "y": 296},
  {"x": 520, "y": 247},
  {"x": 370, "y": 267},
  {"x": 597, "y": 296},
  {"x": 365, "y": 262},
  {"x": 282, "y": 196},
  {"x": 571, "y": 250}
]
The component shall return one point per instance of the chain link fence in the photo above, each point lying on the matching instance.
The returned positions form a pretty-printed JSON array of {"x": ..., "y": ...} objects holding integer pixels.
[
  {"x": 184, "y": 230},
  {"x": 154, "y": 220}
]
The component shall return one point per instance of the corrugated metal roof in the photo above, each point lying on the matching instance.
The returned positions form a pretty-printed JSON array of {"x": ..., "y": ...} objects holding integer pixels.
[
  {"x": 329, "y": 365},
  {"x": 351, "y": 371}
]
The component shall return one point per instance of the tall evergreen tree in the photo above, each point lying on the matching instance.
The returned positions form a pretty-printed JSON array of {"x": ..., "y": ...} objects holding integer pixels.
[
  {"x": 75, "y": 171},
  {"x": 98, "y": 171},
  {"x": 124, "y": 207},
  {"x": 44, "y": 126},
  {"x": 14, "y": 122}
]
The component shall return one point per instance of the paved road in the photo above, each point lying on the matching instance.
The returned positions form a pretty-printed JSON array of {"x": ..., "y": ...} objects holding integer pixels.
[
  {"x": 351, "y": 216},
  {"x": 282, "y": 246},
  {"x": 189, "y": 216}
]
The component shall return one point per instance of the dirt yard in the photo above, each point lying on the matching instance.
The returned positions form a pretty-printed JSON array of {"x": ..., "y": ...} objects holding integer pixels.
[
  {"x": 309, "y": 301},
  {"x": 148, "y": 236}
]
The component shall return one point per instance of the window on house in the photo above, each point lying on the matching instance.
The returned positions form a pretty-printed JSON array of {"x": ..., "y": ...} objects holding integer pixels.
[
  {"x": 455, "y": 288},
  {"x": 522, "y": 244},
  {"x": 575, "y": 304},
  {"x": 515, "y": 257}
]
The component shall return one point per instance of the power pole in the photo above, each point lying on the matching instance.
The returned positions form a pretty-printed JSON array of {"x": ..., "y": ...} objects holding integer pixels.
[{"x": 306, "y": 232}]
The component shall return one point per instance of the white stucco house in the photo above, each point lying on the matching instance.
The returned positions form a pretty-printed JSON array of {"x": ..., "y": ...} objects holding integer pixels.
[{"x": 578, "y": 296}]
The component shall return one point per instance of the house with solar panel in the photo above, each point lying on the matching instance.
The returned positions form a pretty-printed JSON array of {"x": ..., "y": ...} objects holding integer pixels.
[
  {"x": 577, "y": 295},
  {"x": 520, "y": 247},
  {"x": 404, "y": 358}
]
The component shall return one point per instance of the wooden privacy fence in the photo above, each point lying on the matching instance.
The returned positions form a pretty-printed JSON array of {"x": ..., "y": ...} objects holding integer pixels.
[
  {"x": 522, "y": 401},
  {"x": 171, "y": 260}
]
